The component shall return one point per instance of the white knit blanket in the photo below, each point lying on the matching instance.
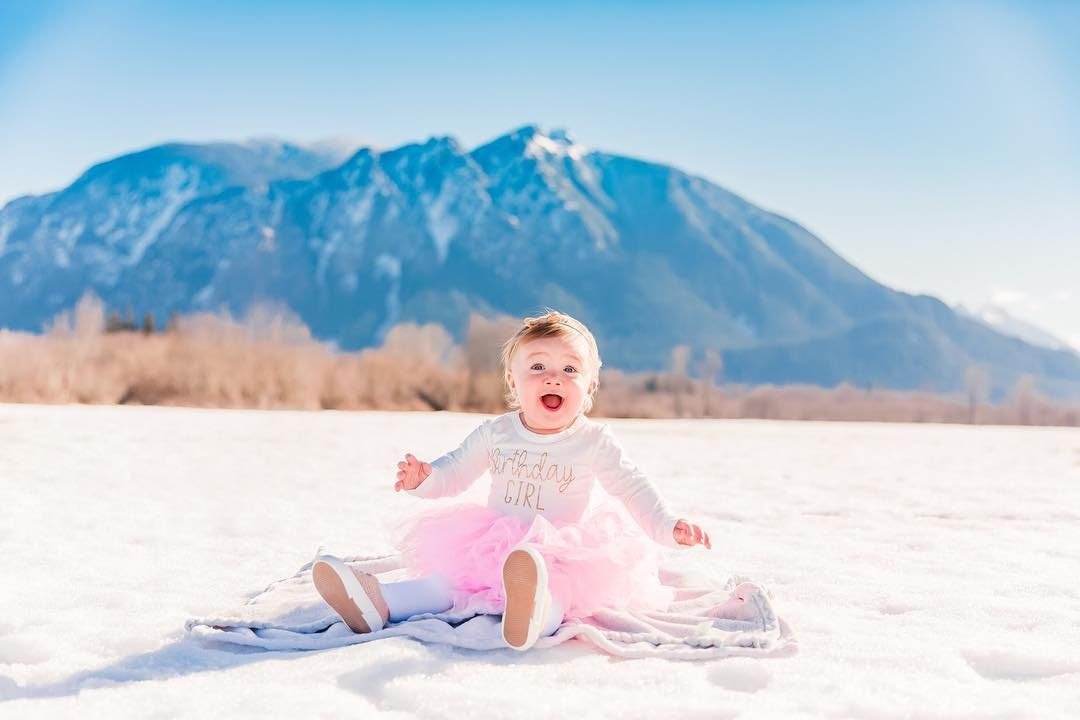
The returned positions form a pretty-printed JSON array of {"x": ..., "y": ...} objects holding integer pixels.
[{"x": 290, "y": 615}]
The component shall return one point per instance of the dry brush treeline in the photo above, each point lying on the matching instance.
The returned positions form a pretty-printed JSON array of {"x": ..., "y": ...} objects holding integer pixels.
[{"x": 268, "y": 359}]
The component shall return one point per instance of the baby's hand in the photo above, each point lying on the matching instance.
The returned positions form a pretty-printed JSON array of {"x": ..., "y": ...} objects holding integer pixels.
[
  {"x": 411, "y": 472},
  {"x": 690, "y": 534}
]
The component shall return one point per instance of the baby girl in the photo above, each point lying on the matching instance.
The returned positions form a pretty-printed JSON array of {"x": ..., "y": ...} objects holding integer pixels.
[{"x": 538, "y": 550}]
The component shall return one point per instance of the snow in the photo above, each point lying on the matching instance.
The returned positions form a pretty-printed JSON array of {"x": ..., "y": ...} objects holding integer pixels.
[
  {"x": 178, "y": 187},
  {"x": 358, "y": 206},
  {"x": 106, "y": 227},
  {"x": 441, "y": 222},
  {"x": 556, "y": 142},
  {"x": 202, "y": 298},
  {"x": 69, "y": 231},
  {"x": 389, "y": 267},
  {"x": 269, "y": 239},
  {"x": 7, "y": 224},
  {"x": 928, "y": 571},
  {"x": 565, "y": 173},
  {"x": 1002, "y": 320}
]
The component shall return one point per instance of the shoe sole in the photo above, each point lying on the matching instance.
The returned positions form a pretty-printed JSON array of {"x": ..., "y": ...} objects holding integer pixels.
[
  {"x": 332, "y": 589},
  {"x": 521, "y": 581}
]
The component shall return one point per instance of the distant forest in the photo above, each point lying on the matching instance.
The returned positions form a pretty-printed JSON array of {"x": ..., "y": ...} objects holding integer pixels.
[{"x": 268, "y": 359}]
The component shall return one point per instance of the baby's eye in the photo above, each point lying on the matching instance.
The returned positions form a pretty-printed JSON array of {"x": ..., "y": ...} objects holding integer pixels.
[
  {"x": 537, "y": 366},
  {"x": 570, "y": 369}
]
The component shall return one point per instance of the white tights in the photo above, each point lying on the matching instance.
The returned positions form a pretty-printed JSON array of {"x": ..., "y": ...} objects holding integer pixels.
[{"x": 431, "y": 594}]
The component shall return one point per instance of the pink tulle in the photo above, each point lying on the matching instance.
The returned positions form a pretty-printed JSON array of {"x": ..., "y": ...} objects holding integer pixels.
[{"x": 603, "y": 560}]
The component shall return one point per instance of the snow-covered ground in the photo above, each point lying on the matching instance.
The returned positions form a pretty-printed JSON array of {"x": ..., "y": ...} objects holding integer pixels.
[{"x": 928, "y": 571}]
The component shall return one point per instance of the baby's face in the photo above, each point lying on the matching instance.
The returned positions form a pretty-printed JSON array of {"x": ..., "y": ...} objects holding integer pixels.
[{"x": 551, "y": 376}]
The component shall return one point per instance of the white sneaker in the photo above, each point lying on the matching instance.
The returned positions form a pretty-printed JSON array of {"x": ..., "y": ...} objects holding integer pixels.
[
  {"x": 525, "y": 587},
  {"x": 749, "y": 602},
  {"x": 354, "y": 595}
]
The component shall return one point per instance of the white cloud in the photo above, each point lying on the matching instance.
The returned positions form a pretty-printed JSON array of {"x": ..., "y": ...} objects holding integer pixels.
[{"x": 1015, "y": 300}]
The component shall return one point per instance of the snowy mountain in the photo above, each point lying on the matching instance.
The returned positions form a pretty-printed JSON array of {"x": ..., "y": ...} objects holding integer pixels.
[
  {"x": 1006, "y": 323},
  {"x": 648, "y": 255}
]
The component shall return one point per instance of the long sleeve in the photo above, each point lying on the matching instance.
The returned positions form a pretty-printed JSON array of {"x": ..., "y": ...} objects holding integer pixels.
[
  {"x": 622, "y": 479},
  {"x": 454, "y": 472}
]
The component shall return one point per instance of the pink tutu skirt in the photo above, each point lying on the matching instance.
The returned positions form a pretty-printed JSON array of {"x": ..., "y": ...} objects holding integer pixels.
[{"x": 603, "y": 560}]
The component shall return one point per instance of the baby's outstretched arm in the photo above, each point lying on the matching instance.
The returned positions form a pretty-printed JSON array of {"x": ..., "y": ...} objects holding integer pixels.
[
  {"x": 687, "y": 533},
  {"x": 411, "y": 472},
  {"x": 449, "y": 474}
]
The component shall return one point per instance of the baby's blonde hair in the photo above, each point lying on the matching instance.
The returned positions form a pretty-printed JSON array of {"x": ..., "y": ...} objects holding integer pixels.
[{"x": 551, "y": 324}]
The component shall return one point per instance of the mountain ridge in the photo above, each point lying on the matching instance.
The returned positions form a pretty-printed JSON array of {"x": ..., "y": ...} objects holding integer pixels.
[{"x": 648, "y": 255}]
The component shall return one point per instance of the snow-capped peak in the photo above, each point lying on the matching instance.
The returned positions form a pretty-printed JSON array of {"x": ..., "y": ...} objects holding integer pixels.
[
  {"x": 533, "y": 141},
  {"x": 555, "y": 142},
  {"x": 1000, "y": 319}
]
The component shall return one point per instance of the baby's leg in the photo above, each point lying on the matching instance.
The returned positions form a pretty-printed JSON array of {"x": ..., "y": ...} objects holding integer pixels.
[
  {"x": 428, "y": 594},
  {"x": 554, "y": 618},
  {"x": 526, "y": 589}
]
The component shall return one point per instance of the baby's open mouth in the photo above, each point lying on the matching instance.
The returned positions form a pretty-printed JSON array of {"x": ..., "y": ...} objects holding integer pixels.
[{"x": 551, "y": 402}]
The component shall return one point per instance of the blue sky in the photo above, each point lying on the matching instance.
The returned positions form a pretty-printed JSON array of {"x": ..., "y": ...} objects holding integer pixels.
[{"x": 936, "y": 145}]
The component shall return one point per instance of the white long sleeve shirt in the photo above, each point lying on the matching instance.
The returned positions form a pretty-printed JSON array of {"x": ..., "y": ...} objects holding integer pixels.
[{"x": 550, "y": 475}]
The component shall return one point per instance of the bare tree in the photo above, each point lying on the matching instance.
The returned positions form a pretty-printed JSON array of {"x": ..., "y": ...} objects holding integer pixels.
[
  {"x": 89, "y": 316},
  {"x": 711, "y": 367},
  {"x": 680, "y": 359},
  {"x": 1023, "y": 397},
  {"x": 430, "y": 342},
  {"x": 275, "y": 322},
  {"x": 977, "y": 381},
  {"x": 115, "y": 323},
  {"x": 85, "y": 321},
  {"x": 483, "y": 343}
]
